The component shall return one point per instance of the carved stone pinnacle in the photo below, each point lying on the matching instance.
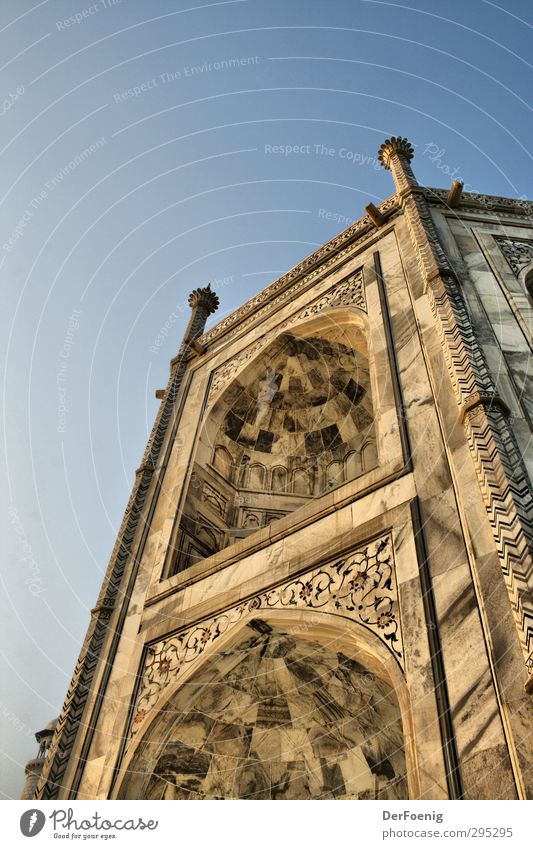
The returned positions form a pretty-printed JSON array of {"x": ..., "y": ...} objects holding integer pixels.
[
  {"x": 396, "y": 144},
  {"x": 205, "y": 298}
]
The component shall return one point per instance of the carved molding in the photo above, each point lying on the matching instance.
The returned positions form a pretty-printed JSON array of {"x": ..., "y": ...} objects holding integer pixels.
[
  {"x": 432, "y": 259},
  {"x": 466, "y": 363},
  {"x": 361, "y": 586},
  {"x": 333, "y": 252},
  {"x": 517, "y": 252},
  {"x": 321, "y": 261},
  {"x": 487, "y": 203},
  {"x": 501, "y": 473},
  {"x": 348, "y": 292},
  {"x": 509, "y": 502}
]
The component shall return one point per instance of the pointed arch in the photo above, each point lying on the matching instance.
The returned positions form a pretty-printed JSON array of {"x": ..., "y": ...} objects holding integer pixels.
[
  {"x": 223, "y": 461},
  {"x": 278, "y": 479},
  {"x": 256, "y": 476},
  {"x": 284, "y": 428},
  {"x": 378, "y": 755}
]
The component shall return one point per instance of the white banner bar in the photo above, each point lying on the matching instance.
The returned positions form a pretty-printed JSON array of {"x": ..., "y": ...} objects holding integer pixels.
[{"x": 254, "y": 824}]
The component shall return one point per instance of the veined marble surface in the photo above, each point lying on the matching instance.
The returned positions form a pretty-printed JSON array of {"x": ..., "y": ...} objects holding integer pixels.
[{"x": 275, "y": 716}]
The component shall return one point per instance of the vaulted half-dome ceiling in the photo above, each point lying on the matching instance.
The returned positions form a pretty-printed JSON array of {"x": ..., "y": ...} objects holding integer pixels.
[
  {"x": 295, "y": 422},
  {"x": 303, "y": 396},
  {"x": 275, "y": 717}
]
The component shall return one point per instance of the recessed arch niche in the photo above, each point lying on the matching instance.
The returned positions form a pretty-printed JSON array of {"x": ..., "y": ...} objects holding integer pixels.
[
  {"x": 274, "y": 715},
  {"x": 296, "y": 422}
]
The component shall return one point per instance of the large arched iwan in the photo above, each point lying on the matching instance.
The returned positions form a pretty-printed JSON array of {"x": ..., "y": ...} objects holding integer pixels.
[
  {"x": 296, "y": 422},
  {"x": 276, "y": 714}
]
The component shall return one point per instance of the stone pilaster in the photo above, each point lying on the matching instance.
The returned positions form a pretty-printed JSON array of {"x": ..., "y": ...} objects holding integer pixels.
[{"x": 500, "y": 470}]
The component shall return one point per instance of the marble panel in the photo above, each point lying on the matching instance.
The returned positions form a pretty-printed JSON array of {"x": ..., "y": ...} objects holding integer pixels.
[{"x": 322, "y": 727}]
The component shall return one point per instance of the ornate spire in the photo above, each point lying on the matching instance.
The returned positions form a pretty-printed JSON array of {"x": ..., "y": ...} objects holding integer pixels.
[
  {"x": 395, "y": 154},
  {"x": 205, "y": 299},
  {"x": 203, "y": 302},
  {"x": 395, "y": 145}
]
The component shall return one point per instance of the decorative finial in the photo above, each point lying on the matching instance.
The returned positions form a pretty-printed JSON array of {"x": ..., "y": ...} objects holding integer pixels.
[
  {"x": 205, "y": 298},
  {"x": 396, "y": 144}
]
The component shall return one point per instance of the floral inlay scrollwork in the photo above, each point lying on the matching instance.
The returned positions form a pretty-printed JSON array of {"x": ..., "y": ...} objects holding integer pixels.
[
  {"x": 519, "y": 254},
  {"x": 361, "y": 586}
]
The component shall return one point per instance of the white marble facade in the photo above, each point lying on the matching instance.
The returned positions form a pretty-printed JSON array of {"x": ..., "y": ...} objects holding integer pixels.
[{"x": 313, "y": 601}]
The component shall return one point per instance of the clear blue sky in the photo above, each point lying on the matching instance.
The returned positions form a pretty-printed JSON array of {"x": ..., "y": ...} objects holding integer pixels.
[{"x": 129, "y": 177}]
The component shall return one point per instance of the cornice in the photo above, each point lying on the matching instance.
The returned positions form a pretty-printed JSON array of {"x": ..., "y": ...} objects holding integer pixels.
[
  {"x": 475, "y": 200},
  {"x": 302, "y": 273},
  {"x": 310, "y": 267}
]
